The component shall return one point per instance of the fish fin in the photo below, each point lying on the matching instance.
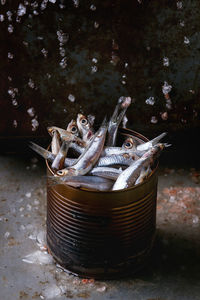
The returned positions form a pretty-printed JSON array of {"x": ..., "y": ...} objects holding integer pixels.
[{"x": 167, "y": 145}]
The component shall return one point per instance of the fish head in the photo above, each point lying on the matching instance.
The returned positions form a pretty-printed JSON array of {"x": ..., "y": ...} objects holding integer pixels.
[
  {"x": 73, "y": 128},
  {"x": 84, "y": 127},
  {"x": 129, "y": 144},
  {"x": 65, "y": 172}
]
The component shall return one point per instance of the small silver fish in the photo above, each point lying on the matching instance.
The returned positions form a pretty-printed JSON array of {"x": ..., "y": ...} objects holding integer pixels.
[
  {"x": 106, "y": 172},
  {"x": 129, "y": 176},
  {"x": 55, "y": 143},
  {"x": 59, "y": 160},
  {"x": 89, "y": 157},
  {"x": 116, "y": 120},
  {"x": 85, "y": 128},
  {"x": 88, "y": 182},
  {"x": 107, "y": 151},
  {"x": 146, "y": 146},
  {"x": 49, "y": 156}
]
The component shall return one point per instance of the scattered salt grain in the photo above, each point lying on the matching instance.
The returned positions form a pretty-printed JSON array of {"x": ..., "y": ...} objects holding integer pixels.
[
  {"x": 44, "y": 52},
  {"x": 10, "y": 28},
  {"x": 93, "y": 7},
  {"x": 150, "y": 101},
  {"x": 101, "y": 289},
  {"x": 94, "y": 60},
  {"x": 35, "y": 124},
  {"x": 21, "y": 10},
  {"x": 38, "y": 257},
  {"x": 182, "y": 23},
  {"x": 7, "y": 234},
  {"x": 96, "y": 25},
  {"x": 166, "y": 61},
  {"x": 71, "y": 98},
  {"x": 28, "y": 195},
  {"x": 51, "y": 292},
  {"x": 52, "y": 1},
  {"x": 31, "y": 111},
  {"x": 154, "y": 120},
  {"x": 94, "y": 69},
  {"x": 166, "y": 88},
  {"x": 179, "y": 4},
  {"x": 186, "y": 40},
  {"x": 28, "y": 207},
  {"x": 1, "y": 18},
  {"x": 15, "y": 123}
]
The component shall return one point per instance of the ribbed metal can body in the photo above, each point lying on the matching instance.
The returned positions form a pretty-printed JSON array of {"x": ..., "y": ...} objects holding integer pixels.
[{"x": 102, "y": 235}]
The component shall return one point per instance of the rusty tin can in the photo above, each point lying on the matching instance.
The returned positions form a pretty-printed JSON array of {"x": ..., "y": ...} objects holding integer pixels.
[{"x": 102, "y": 235}]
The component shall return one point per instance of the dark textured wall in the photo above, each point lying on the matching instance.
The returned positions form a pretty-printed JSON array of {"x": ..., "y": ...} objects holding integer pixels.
[{"x": 69, "y": 56}]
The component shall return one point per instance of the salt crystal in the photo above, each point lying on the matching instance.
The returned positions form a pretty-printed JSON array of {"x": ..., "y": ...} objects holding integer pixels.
[
  {"x": 44, "y": 52},
  {"x": 10, "y": 55},
  {"x": 31, "y": 84},
  {"x": 94, "y": 60},
  {"x": 126, "y": 65},
  {"x": 34, "y": 4},
  {"x": 150, "y": 101},
  {"x": 9, "y": 15},
  {"x": 62, "y": 51},
  {"x": 15, "y": 123},
  {"x": 195, "y": 219},
  {"x": 123, "y": 82},
  {"x": 96, "y": 25},
  {"x": 179, "y": 4},
  {"x": 154, "y": 120},
  {"x": 28, "y": 207},
  {"x": 186, "y": 40},
  {"x": 101, "y": 289},
  {"x": 71, "y": 98},
  {"x": 1, "y": 18},
  {"x": 182, "y": 23},
  {"x": 38, "y": 257},
  {"x": 52, "y": 1},
  {"x": 51, "y": 292},
  {"x": 7, "y": 234},
  {"x": 43, "y": 4},
  {"x": 172, "y": 199},
  {"x": 166, "y": 88},
  {"x": 10, "y": 28},
  {"x": 14, "y": 102},
  {"x": 28, "y": 195},
  {"x": 21, "y": 208},
  {"x": 166, "y": 61},
  {"x": 94, "y": 69},
  {"x": 35, "y": 124},
  {"x": 22, "y": 227},
  {"x": 76, "y": 3},
  {"x": 168, "y": 104},
  {"x": 21, "y": 10},
  {"x": 93, "y": 7},
  {"x": 62, "y": 36},
  {"x": 31, "y": 111},
  {"x": 63, "y": 62}
]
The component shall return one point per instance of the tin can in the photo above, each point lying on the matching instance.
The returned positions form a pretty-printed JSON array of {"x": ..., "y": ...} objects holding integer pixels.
[{"x": 102, "y": 235}]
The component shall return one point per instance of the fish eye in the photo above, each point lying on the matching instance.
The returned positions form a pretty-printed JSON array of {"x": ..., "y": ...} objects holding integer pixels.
[
  {"x": 60, "y": 173},
  {"x": 74, "y": 129},
  {"x": 84, "y": 121},
  {"x": 128, "y": 145}
]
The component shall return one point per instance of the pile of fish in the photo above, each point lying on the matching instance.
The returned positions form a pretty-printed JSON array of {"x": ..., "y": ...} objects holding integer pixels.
[{"x": 83, "y": 158}]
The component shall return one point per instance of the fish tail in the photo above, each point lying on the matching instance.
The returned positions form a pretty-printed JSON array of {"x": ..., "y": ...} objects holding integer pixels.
[
  {"x": 158, "y": 138},
  {"x": 41, "y": 151}
]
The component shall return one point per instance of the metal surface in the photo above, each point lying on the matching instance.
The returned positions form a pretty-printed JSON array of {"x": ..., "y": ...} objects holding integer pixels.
[{"x": 102, "y": 234}]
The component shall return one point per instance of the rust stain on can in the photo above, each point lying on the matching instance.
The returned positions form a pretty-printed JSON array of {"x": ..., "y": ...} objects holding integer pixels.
[{"x": 102, "y": 235}]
